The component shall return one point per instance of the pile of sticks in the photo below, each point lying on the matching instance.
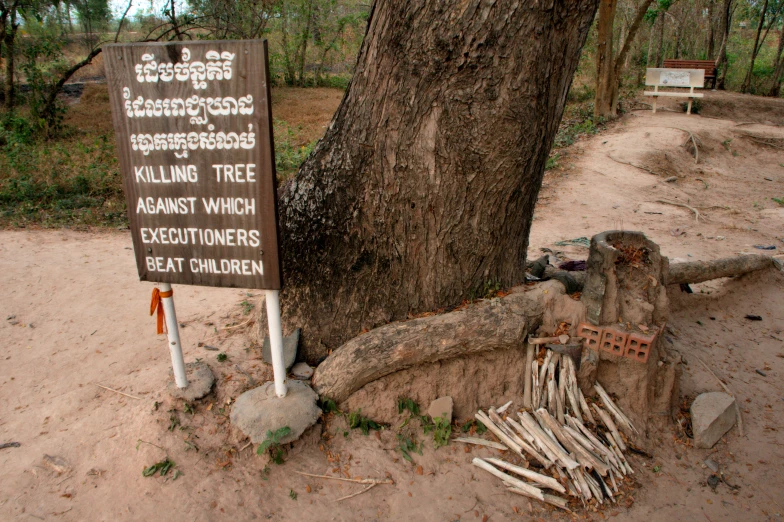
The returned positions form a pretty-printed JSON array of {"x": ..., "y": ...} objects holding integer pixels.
[{"x": 578, "y": 456}]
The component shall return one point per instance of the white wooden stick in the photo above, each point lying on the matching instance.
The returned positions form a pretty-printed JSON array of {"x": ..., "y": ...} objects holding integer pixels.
[
  {"x": 512, "y": 445},
  {"x": 585, "y": 443},
  {"x": 614, "y": 485},
  {"x": 532, "y": 450},
  {"x": 607, "y": 491},
  {"x": 563, "y": 457},
  {"x": 527, "y": 375},
  {"x": 534, "y": 385},
  {"x": 549, "y": 499},
  {"x": 481, "y": 442},
  {"x": 623, "y": 420},
  {"x": 519, "y": 484},
  {"x": 551, "y": 388},
  {"x": 545, "y": 481},
  {"x": 540, "y": 444},
  {"x": 610, "y": 425},
  {"x": 597, "y": 443},
  {"x": 559, "y": 406},
  {"x": 584, "y": 406},
  {"x": 594, "y": 487},
  {"x": 580, "y": 479},
  {"x": 571, "y": 390},
  {"x": 524, "y": 446},
  {"x": 562, "y": 379},
  {"x": 607, "y": 456},
  {"x": 586, "y": 458},
  {"x": 620, "y": 456},
  {"x": 543, "y": 371},
  {"x": 503, "y": 408}
]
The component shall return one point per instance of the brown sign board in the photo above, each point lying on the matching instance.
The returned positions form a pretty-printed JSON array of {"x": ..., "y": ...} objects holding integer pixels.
[{"x": 194, "y": 138}]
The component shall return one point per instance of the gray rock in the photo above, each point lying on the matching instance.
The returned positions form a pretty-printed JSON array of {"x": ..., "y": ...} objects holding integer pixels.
[
  {"x": 301, "y": 370},
  {"x": 712, "y": 415},
  {"x": 56, "y": 464},
  {"x": 259, "y": 410},
  {"x": 712, "y": 465},
  {"x": 441, "y": 407},
  {"x": 290, "y": 345},
  {"x": 200, "y": 382}
]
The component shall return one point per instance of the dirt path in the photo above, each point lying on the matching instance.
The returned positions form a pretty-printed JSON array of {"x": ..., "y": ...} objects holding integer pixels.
[{"x": 73, "y": 314}]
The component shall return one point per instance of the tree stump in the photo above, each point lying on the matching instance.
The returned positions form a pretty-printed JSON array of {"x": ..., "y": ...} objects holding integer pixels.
[{"x": 624, "y": 294}]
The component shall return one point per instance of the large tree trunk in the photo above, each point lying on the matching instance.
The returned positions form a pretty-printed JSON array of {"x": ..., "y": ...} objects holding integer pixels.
[
  {"x": 754, "y": 50},
  {"x": 424, "y": 186},
  {"x": 605, "y": 65},
  {"x": 721, "y": 60}
]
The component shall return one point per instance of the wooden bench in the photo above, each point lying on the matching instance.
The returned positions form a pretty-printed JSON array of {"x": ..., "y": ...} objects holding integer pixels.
[
  {"x": 690, "y": 78},
  {"x": 709, "y": 66}
]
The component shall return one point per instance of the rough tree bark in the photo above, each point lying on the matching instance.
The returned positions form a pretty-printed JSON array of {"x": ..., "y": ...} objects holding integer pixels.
[
  {"x": 423, "y": 187},
  {"x": 605, "y": 80}
]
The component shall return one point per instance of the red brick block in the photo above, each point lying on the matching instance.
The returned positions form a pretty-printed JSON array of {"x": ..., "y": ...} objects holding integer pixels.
[
  {"x": 592, "y": 335},
  {"x": 638, "y": 346},
  {"x": 614, "y": 342}
]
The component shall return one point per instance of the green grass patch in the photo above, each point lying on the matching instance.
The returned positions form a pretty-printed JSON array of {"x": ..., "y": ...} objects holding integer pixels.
[
  {"x": 72, "y": 181},
  {"x": 289, "y": 154}
]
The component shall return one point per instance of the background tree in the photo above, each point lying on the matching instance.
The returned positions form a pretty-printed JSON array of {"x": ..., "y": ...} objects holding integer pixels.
[
  {"x": 778, "y": 70},
  {"x": 770, "y": 10},
  {"x": 721, "y": 60},
  {"x": 609, "y": 68},
  {"x": 93, "y": 15}
]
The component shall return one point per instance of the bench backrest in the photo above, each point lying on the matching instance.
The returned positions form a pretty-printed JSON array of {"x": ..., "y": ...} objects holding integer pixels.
[
  {"x": 708, "y": 65},
  {"x": 667, "y": 77}
]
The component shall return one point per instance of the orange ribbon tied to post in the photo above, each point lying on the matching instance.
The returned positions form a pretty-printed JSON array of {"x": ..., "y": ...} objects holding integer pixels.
[{"x": 157, "y": 304}]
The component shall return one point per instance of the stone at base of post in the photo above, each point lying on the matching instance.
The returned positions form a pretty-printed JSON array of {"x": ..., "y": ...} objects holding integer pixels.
[
  {"x": 259, "y": 410},
  {"x": 200, "y": 382}
]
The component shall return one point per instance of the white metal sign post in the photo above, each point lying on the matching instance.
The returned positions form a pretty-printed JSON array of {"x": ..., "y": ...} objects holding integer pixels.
[
  {"x": 173, "y": 331},
  {"x": 276, "y": 341}
]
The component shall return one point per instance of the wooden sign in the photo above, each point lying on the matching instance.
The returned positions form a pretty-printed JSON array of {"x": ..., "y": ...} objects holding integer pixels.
[{"x": 194, "y": 138}]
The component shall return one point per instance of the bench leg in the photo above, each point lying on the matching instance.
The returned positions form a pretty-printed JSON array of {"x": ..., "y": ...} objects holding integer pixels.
[
  {"x": 654, "y": 104},
  {"x": 688, "y": 111}
]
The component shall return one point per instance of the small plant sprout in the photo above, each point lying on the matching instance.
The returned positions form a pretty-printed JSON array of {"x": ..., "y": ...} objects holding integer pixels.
[{"x": 272, "y": 445}]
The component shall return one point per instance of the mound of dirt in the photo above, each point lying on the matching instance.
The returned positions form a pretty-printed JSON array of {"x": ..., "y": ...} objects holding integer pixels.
[
  {"x": 742, "y": 107},
  {"x": 737, "y": 107}
]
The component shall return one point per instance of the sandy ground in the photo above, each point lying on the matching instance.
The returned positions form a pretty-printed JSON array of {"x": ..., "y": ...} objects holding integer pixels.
[{"x": 73, "y": 315}]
